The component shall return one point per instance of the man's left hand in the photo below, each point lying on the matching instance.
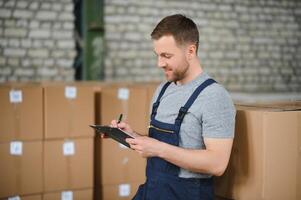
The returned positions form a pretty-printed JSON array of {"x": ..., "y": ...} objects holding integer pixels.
[{"x": 145, "y": 146}]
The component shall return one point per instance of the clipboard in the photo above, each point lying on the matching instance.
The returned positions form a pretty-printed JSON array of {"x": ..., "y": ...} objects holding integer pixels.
[{"x": 114, "y": 133}]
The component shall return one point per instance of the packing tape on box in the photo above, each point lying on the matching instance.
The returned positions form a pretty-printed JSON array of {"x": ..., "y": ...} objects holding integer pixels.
[
  {"x": 299, "y": 128},
  {"x": 123, "y": 94},
  {"x": 71, "y": 94},
  {"x": 124, "y": 190},
  {"x": 68, "y": 151},
  {"x": 16, "y": 149},
  {"x": 67, "y": 195},
  {"x": 71, "y": 118},
  {"x": 16, "y": 97}
]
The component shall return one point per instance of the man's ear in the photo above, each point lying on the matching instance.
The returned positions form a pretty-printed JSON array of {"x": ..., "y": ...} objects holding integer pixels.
[{"x": 191, "y": 53}]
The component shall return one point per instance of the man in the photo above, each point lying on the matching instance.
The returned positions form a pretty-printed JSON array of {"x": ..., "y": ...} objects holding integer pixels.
[{"x": 192, "y": 121}]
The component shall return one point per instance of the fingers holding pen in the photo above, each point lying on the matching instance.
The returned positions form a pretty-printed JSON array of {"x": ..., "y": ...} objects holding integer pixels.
[
  {"x": 121, "y": 125},
  {"x": 114, "y": 123}
]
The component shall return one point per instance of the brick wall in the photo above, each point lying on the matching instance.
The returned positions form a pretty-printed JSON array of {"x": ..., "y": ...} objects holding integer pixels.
[
  {"x": 36, "y": 40},
  {"x": 248, "y": 45}
]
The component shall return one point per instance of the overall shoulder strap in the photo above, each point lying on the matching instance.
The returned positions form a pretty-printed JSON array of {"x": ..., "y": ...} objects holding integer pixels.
[
  {"x": 157, "y": 102},
  {"x": 184, "y": 109}
]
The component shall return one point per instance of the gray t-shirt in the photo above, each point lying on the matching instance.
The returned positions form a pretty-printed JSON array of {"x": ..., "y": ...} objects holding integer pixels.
[{"x": 212, "y": 115}]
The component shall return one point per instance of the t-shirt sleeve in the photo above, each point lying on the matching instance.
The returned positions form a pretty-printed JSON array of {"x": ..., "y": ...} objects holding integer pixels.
[{"x": 218, "y": 115}]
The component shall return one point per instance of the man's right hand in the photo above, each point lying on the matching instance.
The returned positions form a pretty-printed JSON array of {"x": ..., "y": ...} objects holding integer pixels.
[{"x": 122, "y": 125}]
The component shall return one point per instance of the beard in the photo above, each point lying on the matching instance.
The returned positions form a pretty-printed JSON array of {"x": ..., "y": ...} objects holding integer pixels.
[{"x": 179, "y": 73}]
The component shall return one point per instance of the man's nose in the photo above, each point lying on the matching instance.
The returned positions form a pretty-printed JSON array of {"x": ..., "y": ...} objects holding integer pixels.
[{"x": 161, "y": 63}]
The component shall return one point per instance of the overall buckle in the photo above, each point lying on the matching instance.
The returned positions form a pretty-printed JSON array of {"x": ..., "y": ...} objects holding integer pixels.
[{"x": 182, "y": 113}]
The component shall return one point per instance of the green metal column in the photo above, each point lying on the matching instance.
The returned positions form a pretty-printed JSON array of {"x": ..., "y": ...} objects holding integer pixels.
[{"x": 93, "y": 34}]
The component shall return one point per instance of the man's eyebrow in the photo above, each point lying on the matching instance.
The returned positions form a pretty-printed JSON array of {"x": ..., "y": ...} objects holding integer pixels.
[
  {"x": 166, "y": 54},
  {"x": 163, "y": 54}
]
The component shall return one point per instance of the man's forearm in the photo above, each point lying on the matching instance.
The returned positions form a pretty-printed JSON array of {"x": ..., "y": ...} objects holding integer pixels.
[{"x": 202, "y": 161}]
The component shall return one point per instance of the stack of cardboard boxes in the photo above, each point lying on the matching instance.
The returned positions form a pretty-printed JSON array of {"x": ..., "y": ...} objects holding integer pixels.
[
  {"x": 46, "y": 146},
  {"x": 120, "y": 170},
  {"x": 266, "y": 159},
  {"x": 68, "y": 145},
  {"x": 21, "y": 134}
]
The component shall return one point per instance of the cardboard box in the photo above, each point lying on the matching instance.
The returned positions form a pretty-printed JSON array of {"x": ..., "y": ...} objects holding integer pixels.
[
  {"x": 68, "y": 164},
  {"x": 124, "y": 191},
  {"x": 21, "y": 112},
  {"x": 20, "y": 168},
  {"x": 25, "y": 197},
  {"x": 266, "y": 158},
  {"x": 84, "y": 194},
  {"x": 69, "y": 110},
  {"x": 130, "y": 100},
  {"x": 117, "y": 164}
]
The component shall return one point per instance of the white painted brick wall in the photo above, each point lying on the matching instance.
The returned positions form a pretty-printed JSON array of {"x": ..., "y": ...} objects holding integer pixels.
[
  {"x": 39, "y": 33},
  {"x": 15, "y": 32},
  {"x": 38, "y": 53},
  {"x": 46, "y": 15},
  {"x": 33, "y": 35},
  {"x": 242, "y": 43},
  {"x": 5, "y": 13},
  {"x": 23, "y": 14},
  {"x": 10, "y": 52}
]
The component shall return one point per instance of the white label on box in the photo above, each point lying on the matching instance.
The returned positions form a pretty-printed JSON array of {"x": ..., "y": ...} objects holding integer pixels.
[
  {"x": 125, "y": 160},
  {"x": 14, "y": 198},
  {"x": 124, "y": 190},
  {"x": 15, "y": 96},
  {"x": 122, "y": 146},
  {"x": 70, "y": 92},
  {"x": 67, "y": 195},
  {"x": 68, "y": 148},
  {"x": 16, "y": 148},
  {"x": 123, "y": 93}
]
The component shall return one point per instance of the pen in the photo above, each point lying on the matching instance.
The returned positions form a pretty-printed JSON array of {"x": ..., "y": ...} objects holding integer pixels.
[{"x": 119, "y": 119}]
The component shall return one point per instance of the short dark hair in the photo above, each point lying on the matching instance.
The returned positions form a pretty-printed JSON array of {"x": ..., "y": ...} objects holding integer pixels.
[{"x": 183, "y": 29}]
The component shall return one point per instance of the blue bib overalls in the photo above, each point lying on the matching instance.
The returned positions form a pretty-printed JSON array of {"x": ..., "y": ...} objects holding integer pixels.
[{"x": 162, "y": 181}]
